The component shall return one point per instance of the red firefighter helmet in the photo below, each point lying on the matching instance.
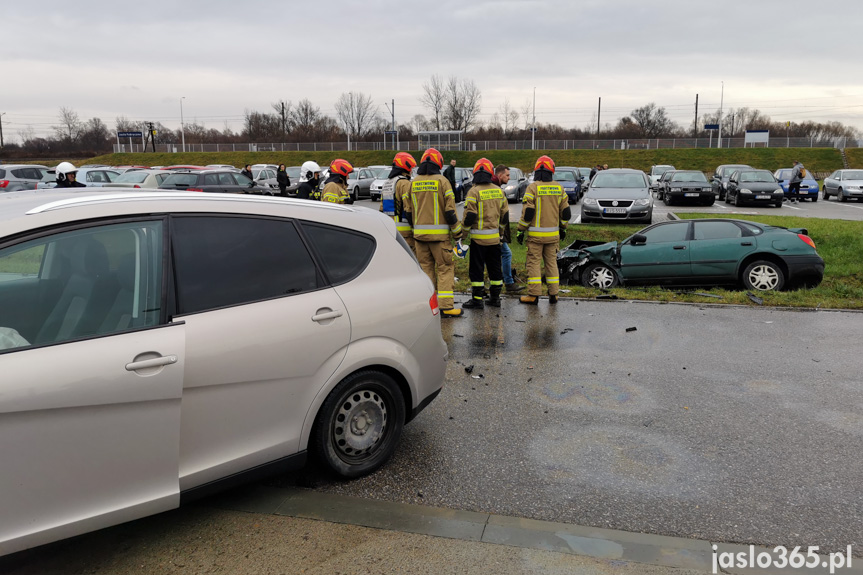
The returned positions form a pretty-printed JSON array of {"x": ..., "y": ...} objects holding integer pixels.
[
  {"x": 433, "y": 155},
  {"x": 404, "y": 161},
  {"x": 341, "y": 167},
  {"x": 544, "y": 162},
  {"x": 484, "y": 164}
]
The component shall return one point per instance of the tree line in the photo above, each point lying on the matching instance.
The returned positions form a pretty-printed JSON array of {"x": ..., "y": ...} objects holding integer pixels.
[{"x": 450, "y": 103}]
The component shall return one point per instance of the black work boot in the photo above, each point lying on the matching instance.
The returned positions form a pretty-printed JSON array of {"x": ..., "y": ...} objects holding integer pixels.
[
  {"x": 494, "y": 298},
  {"x": 552, "y": 299},
  {"x": 475, "y": 302}
]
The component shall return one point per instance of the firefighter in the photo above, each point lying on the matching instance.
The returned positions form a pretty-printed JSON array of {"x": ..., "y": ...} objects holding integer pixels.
[
  {"x": 396, "y": 192},
  {"x": 336, "y": 187},
  {"x": 431, "y": 212},
  {"x": 486, "y": 212},
  {"x": 545, "y": 214},
  {"x": 310, "y": 174}
]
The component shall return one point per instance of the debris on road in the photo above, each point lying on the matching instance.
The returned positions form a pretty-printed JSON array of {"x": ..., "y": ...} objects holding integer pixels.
[
  {"x": 469, "y": 369},
  {"x": 480, "y": 376},
  {"x": 607, "y": 296},
  {"x": 755, "y": 298},
  {"x": 457, "y": 335},
  {"x": 566, "y": 330},
  {"x": 631, "y": 329}
]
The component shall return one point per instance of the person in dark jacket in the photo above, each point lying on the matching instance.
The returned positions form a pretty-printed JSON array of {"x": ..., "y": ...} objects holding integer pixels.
[
  {"x": 794, "y": 184},
  {"x": 66, "y": 173},
  {"x": 247, "y": 171},
  {"x": 449, "y": 173},
  {"x": 283, "y": 180},
  {"x": 310, "y": 174}
]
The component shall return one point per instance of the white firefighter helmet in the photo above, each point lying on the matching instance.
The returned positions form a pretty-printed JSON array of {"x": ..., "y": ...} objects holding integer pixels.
[
  {"x": 307, "y": 170},
  {"x": 64, "y": 168}
]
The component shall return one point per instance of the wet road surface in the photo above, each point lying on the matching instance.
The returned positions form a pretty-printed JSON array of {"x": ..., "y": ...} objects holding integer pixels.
[{"x": 719, "y": 423}]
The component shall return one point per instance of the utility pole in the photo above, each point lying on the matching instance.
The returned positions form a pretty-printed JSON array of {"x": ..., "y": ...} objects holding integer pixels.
[
  {"x": 533, "y": 129},
  {"x": 598, "y": 122},
  {"x": 182, "y": 129},
  {"x": 721, "y": 101},
  {"x": 1, "y": 129},
  {"x": 392, "y": 111},
  {"x": 695, "y": 126},
  {"x": 152, "y": 135}
]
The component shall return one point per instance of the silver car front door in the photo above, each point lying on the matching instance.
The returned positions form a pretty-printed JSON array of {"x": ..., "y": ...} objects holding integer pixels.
[{"x": 91, "y": 384}]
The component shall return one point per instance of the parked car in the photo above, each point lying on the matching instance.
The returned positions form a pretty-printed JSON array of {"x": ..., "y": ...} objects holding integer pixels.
[
  {"x": 266, "y": 178},
  {"x": 122, "y": 398},
  {"x": 463, "y": 183},
  {"x": 360, "y": 180},
  {"x": 221, "y": 167},
  {"x": 618, "y": 194},
  {"x": 186, "y": 167},
  {"x": 140, "y": 179},
  {"x": 657, "y": 171},
  {"x": 90, "y": 177},
  {"x": 808, "y": 185},
  {"x": 659, "y": 187},
  {"x": 699, "y": 252},
  {"x": 213, "y": 181},
  {"x": 686, "y": 185},
  {"x": 844, "y": 184},
  {"x": 294, "y": 176},
  {"x": 514, "y": 189},
  {"x": 751, "y": 186},
  {"x": 14, "y": 177},
  {"x": 568, "y": 178},
  {"x": 719, "y": 181}
]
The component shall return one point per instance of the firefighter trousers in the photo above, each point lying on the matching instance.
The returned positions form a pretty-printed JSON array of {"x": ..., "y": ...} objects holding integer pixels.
[
  {"x": 436, "y": 261},
  {"x": 482, "y": 257},
  {"x": 538, "y": 253}
]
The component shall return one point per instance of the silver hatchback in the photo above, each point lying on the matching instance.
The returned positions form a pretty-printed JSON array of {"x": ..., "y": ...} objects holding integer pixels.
[{"x": 160, "y": 345}]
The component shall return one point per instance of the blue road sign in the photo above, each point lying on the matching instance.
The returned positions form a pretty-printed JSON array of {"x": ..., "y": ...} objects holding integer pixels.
[
  {"x": 129, "y": 134},
  {"x": 711, "y": 126}
]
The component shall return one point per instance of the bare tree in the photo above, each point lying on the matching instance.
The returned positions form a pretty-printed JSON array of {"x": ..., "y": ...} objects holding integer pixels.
[
  {"x": 304, "y": 119},
  {"x": 357, "y": 113},
  {"x": 462, "y": 104},
  {"x": 95, "y": 136},
  {"x": 508, "y": 118},
  {"x": 70, "y": 127},
  {"x": 652, "y": 121},
  {"x": 434, "y": 98},
  {"x": 419, "y": 123},
  {"x": 27, "y": 134},
  {"x": 527, "y": 113}
]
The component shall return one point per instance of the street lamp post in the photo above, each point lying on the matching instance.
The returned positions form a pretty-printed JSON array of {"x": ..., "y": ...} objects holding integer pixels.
[
  {"x": 1, "y": 129},
  {"x": 533, "y": 129},
  {"x": 182, "y": 129},
  {"x": 721, "y": 101}
]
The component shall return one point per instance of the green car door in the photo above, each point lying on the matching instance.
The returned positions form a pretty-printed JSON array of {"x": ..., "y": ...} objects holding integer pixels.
[
  {"x": 661, "y": 259},
  {"x": 717, "y": 247}
]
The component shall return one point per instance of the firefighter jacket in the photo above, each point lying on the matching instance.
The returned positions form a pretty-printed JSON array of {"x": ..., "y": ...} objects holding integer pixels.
[
  {"x": 335, "y": 193},
  {"x": 432, "y": 209},
  {"x": 486, "y": 212},
  {"x": 543, "y": 212},
  {"x": 401, "y": 195}
]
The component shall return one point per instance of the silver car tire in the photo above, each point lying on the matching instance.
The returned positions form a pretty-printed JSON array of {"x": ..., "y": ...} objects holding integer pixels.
[
  {"x": 360, "y": 424},
  {"x": 763, "y": 275},
  {"x": 599, "y": 276}
]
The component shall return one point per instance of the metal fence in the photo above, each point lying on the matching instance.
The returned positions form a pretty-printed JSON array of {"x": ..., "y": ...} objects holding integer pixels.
[{"x": 484, "y": 145}]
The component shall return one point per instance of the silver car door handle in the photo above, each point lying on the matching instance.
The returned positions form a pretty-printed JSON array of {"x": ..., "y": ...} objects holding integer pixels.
[
  {"x": 149, "y": 363},
  {"x": 327, "y": 315}
]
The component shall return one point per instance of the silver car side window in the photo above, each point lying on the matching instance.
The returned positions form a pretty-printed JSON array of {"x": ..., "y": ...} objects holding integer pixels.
[{"x": 81, "y": 284}]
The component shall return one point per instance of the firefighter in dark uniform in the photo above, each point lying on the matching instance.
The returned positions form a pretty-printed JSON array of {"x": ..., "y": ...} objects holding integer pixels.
[
  {"x": 486, "y": 212},
  {"x": 544, "y": 216},
  {"x": 397, "y": 191},
  {"x": 431, "y": 211},
  {"x": 310, "y": 174},
  {"x": 336, "y": 187}
]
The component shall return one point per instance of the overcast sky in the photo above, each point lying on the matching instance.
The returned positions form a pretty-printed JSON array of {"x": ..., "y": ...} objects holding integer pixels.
[{"x": 793, "y": 60}]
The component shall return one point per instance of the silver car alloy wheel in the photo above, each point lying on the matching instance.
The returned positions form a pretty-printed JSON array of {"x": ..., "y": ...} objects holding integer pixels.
[
  {"x": 360, "y": 423},
  {"x": 763, "y": 277},
  {"x": 601, "y": 277}
]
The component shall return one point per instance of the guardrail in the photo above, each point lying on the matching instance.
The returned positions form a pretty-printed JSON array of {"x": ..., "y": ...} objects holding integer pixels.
[{"x": 484, "y": 145}]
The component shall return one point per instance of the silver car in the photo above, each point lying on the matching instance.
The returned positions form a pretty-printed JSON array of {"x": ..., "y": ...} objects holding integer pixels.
[
  {"x": 266, "y": 178},
  {"x": 844, "y": 184},
  {"x": 140, "y": 179},
  {"x": 618, "y": 194},
  {"x": 14, "y": 177},
  {"x": 156, "y": 346}
]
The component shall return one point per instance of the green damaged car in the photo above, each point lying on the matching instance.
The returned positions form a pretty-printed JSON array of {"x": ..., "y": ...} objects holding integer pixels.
[{"x": 709, "y": 252}]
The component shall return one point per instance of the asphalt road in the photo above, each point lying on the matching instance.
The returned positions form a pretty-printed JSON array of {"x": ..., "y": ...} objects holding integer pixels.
[{"x": 718, "y": 423}]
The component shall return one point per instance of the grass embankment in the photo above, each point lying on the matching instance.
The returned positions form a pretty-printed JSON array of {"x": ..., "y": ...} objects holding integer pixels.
[
  {"x": 840, "y": 243},
  {"x": 855, "y": 157},
  {"x": 706, "y": 160}
]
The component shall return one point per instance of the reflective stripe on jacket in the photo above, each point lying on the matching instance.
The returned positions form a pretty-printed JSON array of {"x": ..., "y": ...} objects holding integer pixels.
[
  {"x": 489, "y": 204},
  {"x": 334, "y": 193},
  {"x": 548, "y": 201},
  {"x": 429, "y": 199}
]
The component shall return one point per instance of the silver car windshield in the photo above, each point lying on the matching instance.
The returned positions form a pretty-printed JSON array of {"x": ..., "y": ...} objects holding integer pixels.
[
  {"x": 606, "y": 180},
  {"x": 856, "y": 175}
]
